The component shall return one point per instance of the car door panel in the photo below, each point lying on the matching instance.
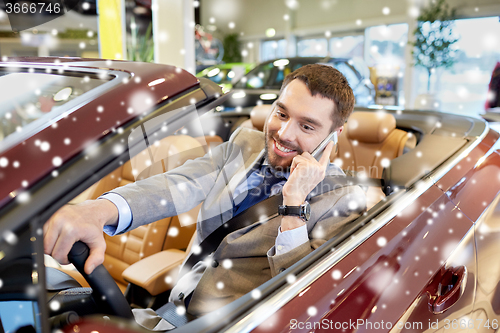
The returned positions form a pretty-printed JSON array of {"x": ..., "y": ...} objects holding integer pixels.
[{"x": 385, "y": 279}]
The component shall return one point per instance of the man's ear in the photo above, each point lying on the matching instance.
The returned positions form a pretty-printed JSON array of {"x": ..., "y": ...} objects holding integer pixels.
[{"x": 340, "y": 129}]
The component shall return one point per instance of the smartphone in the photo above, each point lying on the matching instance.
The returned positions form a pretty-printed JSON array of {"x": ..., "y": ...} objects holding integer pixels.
[{"x": 318, "y": 151}]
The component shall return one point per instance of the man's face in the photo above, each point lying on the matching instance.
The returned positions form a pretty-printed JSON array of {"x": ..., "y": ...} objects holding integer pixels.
[{"x": 298, "y": 123}]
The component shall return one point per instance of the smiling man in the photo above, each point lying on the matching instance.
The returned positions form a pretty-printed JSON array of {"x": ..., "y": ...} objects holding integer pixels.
[{"x": 315, "y": 100}]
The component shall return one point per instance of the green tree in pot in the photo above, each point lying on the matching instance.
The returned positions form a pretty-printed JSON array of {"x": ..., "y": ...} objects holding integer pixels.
[{"x": 434, "y": 38}]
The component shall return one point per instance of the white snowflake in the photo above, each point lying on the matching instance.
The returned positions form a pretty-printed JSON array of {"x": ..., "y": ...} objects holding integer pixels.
[
  {"x": 10, "y": 237},
  {"x": 118, "y": 149},
  {"x": 181, "y": 310},
  {"x": 44, "y": 146},
  {"x": 385, "y": 162},
  {"x": 173, "y": 231},
  {"x": 291, "y": 278},
  {"x": 55, "y": 305},
  {"x": 352, "y": 205},
  {"x": 256, "y": 294},
  {"x": 312, "y": 311},
  {"x": 227, "y": 263},
  {"x": 57, "y": 161},
  {"x": 381, "y": 241},
  {"x": 336, "y": 274},
  {"x": 23, "y": 197},
  {"x": 196, "y": 249}
]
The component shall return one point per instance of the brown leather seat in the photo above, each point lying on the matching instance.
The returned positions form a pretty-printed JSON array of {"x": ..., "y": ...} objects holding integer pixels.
[
  {"x": 209, "y": 141},
  {"x": 369, "y": 142},
  {"x": 169, "y": 233}
]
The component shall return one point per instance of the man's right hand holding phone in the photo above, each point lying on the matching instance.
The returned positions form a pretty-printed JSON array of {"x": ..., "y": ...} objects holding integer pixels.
[{"x": 305, "y": 174}]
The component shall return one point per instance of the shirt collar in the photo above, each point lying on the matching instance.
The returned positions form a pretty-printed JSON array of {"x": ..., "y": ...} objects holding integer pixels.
[{"x": 265, "y": 165}]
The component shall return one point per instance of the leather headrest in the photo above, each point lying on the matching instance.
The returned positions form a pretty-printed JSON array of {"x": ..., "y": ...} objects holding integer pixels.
[
  {"x": 370, "y": 127},
  {"x": 175, "y": 150},
  {"x": 259, "y": 114}
]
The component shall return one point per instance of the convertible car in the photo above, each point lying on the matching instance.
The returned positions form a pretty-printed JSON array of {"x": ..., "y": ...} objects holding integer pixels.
[{"x": 422, "y": 258}]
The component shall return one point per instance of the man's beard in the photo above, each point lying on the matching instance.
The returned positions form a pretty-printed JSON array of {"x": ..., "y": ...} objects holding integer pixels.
[{"x": 272, "y": 158}]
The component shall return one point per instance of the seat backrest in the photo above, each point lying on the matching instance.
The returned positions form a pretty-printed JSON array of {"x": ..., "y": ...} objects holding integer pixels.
[
  {"x": 124, "y": 250},
  {"x": 209, "y": 141},
  {"x": 258, "y": 117},
  {"x": 369, "y": 141}
]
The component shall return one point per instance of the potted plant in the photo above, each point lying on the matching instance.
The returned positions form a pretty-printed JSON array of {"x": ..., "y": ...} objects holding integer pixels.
[{"x": 432, "y": 47}]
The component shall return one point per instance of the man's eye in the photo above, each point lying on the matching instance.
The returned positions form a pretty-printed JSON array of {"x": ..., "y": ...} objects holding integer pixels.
[
  {"x": 281, "y": 115},
  {"x": 307, "y": 127}
]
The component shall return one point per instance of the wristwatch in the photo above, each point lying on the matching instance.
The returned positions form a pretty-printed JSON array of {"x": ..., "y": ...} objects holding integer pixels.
[{"x": 303, "y": 211}]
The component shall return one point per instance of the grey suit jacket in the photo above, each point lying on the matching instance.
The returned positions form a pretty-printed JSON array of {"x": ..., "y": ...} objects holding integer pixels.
[{"x": 246, "y": 257}]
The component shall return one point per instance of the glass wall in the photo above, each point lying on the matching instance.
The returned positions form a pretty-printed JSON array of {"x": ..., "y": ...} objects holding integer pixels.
[
  {"x": 385, "y": 47},
  {"x": 312, "y": 47},
  {"x": 464, "y": 87},
  {"x": 347, "y": 47},
  {"x": 272, "y": 49}
]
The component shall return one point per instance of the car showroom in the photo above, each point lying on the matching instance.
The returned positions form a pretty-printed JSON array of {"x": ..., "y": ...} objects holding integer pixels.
[{"x": 168, "y": 165}]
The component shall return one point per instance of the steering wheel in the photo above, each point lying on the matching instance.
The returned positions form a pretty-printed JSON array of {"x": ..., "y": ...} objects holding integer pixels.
[{"x": 105, "y": 291}]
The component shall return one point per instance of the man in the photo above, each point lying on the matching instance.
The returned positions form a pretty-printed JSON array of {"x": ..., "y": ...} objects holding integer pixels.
[{"x": 315, "y": 100}]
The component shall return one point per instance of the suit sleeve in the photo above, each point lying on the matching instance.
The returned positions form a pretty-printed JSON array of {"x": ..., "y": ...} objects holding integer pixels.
[
  {"x": 343, "y": 209},
  {"x": 179, "y": 190}
]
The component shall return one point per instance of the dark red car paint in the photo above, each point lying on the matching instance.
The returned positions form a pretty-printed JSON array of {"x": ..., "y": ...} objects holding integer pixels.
[{"x": 35, "y": 163}]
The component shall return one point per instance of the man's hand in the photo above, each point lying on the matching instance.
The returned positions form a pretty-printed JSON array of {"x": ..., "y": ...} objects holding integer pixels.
[
  {"x": 305, "y": 174},
  {"x": 84, "y": 222}
]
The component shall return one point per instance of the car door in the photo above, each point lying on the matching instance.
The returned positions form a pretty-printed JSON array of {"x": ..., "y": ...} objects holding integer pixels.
[
  {"x": 478, "y": 197},
  {"x": 387, "y": 282}
]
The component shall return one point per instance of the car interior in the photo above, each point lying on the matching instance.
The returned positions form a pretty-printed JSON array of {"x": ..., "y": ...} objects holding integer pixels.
[
  {"x": 147, "y": 259},
  {"x": 144, "y": 262}
]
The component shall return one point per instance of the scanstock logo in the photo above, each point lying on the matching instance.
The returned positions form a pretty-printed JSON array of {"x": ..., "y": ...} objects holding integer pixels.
[{"x": 26, "y": 14}]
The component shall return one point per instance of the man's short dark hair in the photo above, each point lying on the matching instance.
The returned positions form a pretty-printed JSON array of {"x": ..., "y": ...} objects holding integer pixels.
[{"x": 329, "y": 83}]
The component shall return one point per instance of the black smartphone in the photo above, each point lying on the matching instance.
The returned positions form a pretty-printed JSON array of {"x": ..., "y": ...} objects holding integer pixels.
[{"x": 318, "y": 151}]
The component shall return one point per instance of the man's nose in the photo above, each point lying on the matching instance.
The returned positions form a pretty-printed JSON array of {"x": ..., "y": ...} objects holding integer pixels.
[{"x": 287, "y": 132}]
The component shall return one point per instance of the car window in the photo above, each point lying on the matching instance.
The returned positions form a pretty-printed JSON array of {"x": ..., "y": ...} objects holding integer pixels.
[
  {"x": 256, "y": 78},
  {"x": 349, "y": 73},
  {"x": 218, "y": 75},
  {"x": 283, "y": 71},
  {"x": 27, "y": 96}
]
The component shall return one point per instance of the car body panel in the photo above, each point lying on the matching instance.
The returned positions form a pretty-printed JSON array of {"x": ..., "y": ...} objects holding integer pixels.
[
  {"x": 460, "y": 170},
  {"x": 361, "y": 286}
]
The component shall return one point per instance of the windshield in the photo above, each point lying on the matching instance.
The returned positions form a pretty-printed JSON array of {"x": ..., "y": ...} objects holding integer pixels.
[{"x": 28, "y": 96}]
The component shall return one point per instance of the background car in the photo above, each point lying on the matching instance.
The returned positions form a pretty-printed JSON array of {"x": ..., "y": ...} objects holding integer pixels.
[
  {"x": 226, "y": 74},
  {"x": 262, "y": 84},
  {"x": 422, "y": 258}
]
